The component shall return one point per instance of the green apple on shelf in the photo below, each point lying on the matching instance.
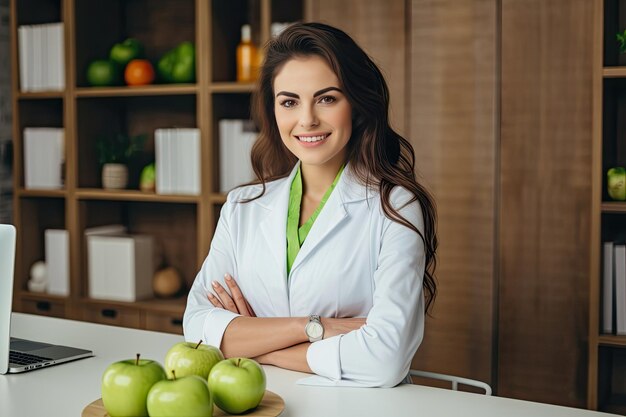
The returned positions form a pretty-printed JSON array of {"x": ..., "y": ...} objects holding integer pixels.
[
  {"x": 125, "y": 386},
  {"x": 147, "y": 179},
  {"x": 237, "y": 384},
  {"x": 103, "y": 73},
  {"x": 616, "y": 183},
  {"x": 187, "y": 358},
  {"x": 124, "y": 52},
  {"x": 179, "y": 64},
  {"x": 187, "y": 396}
]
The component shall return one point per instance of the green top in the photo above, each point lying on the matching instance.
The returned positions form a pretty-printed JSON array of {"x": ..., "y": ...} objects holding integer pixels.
[{"x": 295, "y": 234}]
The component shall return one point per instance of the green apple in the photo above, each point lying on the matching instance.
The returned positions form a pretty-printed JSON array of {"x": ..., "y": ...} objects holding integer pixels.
[
  {"x": 237, "y": 384},
  {"x": 179, "y": 64},
  {"x": 125, "y": 386},
  {"x": 147, "y": 178},
  {"x": 188, "y": 396},
  {"x": 124, "y": 52},
  {"x": 191, "y": 359},
  {"x": 616, "y": 183},
  {"x": 103, "y": 72}
]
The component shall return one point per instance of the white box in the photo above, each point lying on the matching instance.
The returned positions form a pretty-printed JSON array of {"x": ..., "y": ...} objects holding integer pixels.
[
  {"x": 44, "y": 153},
  {"x": 120, "y": 267},
  {"x": 57, "y": 261}
]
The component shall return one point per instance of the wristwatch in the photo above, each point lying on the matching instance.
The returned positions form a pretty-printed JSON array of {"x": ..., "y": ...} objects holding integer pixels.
[{"x": 314, "y": 329}]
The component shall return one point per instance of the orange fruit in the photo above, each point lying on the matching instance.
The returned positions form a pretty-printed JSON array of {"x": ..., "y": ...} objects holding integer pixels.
[{"x": 139, "y": 72}]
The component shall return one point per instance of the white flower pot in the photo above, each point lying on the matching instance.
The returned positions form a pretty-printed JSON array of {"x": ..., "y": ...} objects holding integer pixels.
[{"x": 114, "y": 176}]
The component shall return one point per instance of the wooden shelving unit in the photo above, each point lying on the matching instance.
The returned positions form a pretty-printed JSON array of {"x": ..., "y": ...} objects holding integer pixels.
[
  {"x": 612, "y": 340},
  {"x": 613, "y": 207},
  {"x": 182, "y": 225},
  {"x": 607, "y": 352},
  {"x": 149, "y": 90},
  {"x": 132, "y": 195}
]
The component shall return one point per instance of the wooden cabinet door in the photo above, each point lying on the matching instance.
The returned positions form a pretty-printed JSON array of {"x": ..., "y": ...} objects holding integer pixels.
[
  {"x": 453, "y": 127},
  {"x": 545, "y": 199}
]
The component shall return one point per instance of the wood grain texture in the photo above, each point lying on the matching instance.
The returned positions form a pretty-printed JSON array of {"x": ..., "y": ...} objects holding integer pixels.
[
  {"x": 546, "y": 133},
  {"x": 596, "y": 207},
  {"x": 272, "y": 405},
  {"x": 379, "y": 27},
  {"x": 452, "y": 119}
]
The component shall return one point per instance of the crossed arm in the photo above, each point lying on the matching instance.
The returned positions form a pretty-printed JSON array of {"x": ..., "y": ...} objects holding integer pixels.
[{"x": 247, "y": 335}]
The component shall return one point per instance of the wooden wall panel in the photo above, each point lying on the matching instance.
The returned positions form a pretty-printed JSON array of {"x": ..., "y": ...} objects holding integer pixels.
[
  {"x": 453, "y": 129},
  {"x": 379, "y": 27},
  {"x": 546, "y": 132}
]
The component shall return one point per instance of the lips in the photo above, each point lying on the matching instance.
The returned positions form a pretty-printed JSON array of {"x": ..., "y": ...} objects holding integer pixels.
[{"x": 312, "y": 138}]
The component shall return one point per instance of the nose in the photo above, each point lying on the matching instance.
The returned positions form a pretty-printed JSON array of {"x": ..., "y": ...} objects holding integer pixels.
[{"x": 308, "y": 118}]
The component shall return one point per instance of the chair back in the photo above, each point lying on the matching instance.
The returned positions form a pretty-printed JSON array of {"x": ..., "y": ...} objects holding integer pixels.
[{"x": 455, "y": 380}]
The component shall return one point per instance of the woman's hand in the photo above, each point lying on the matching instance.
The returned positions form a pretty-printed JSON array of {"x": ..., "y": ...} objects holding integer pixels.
[
  {"x": 334, "y": 327},
  {"x": 235, "y": 303}
]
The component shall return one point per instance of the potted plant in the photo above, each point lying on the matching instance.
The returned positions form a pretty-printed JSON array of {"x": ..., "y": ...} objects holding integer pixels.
[
  {"x": 114, "y": 153},
  {"x": 621, "y": 39}
]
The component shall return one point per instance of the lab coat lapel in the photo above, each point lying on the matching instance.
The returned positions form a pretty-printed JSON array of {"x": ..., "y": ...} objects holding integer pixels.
[
  {"x": 334, "y": 212},
  {"x": 274, "y": 230}
]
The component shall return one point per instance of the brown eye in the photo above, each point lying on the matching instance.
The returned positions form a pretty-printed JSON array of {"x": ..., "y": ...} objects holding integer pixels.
[
  {"x": 288, "y": 103},
  {"x": 327, "y": 100}
]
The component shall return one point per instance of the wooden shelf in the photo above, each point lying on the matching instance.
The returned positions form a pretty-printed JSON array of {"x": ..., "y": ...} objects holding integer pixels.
[
  {"x": 40, "y": 95},
  {"x": 170, "y": 305},
  {"x": 21, "y": 192},
  {"x": 41, "y": 296},
  {"x": 164, "y": 305},
  {"x": 612, "y": 340},
  {"x": 232, "y": 87},
  {"x": 614, "y": 72},
  {"x": 614, "y": 207},
  {"x": 607, "y": 352},
  {"x": 218, "y": 198},
  {"x": 148, "y": 90},
  {"x": 132, "y": 195}
]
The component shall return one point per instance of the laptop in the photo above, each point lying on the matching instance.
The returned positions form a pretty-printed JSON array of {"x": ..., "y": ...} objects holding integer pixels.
[{"x": 19, "y": 355}]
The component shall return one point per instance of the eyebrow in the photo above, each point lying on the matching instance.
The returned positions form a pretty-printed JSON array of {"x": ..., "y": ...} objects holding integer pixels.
[{"x": 317, "y": 93}]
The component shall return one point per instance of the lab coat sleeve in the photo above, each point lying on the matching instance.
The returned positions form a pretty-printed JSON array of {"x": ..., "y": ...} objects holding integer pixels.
[
  {"x": 201, "y": 320},
  {"x": 380, "y": 353}
]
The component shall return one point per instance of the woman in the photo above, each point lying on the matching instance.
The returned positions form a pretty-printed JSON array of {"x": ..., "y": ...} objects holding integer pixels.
[{"x": 325, "y": 265}]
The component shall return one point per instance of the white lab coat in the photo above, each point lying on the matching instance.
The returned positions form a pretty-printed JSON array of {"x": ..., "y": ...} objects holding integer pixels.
[{"x": 355, "y": 262}]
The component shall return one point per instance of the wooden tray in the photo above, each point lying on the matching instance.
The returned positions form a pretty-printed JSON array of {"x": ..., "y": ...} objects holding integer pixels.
[{"x": 272, "y": 405}]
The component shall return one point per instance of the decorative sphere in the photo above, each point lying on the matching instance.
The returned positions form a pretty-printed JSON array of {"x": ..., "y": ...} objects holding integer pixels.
[
  {"x": 167, "y": 282},
  {"x": 38, "y": 272}
]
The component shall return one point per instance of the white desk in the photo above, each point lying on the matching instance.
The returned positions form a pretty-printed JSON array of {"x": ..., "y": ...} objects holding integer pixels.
[{"x": 64, "y": 390}]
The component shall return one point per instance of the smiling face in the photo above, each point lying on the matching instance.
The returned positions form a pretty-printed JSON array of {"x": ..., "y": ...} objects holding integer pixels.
[{"x": 313, "y": 115}]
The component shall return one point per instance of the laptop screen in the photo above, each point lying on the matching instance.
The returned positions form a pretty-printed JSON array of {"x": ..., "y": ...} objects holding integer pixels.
[{"x": 7, "y": 262}]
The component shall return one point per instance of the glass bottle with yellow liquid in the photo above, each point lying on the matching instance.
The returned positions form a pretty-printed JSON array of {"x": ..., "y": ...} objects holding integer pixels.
[{"x": 246, "y": 57}]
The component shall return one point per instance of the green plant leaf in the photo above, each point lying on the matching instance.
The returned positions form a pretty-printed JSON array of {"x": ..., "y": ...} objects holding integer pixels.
[
  {"x": 118, "y": 147},
  {"x": 621, "y": 38}
]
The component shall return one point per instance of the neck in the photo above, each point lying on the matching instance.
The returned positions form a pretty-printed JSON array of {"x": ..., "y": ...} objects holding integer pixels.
[{"x": 316, "y": 179}]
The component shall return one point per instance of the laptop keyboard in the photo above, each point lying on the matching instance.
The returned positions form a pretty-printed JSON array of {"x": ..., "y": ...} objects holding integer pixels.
[{"x": 25, "y": 359}]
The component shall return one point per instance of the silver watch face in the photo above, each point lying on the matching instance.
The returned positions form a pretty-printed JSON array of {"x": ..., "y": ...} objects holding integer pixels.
[{"x": 314, "y": 330}]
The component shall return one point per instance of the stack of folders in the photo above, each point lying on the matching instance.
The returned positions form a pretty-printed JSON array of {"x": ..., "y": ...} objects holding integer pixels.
[
  {"x": 44, "y": 156},
  {"x": 614, "y": 288},
  {"x": 41, "y": 57},
  {"x": 177, "y": 153},
  {"x": 236, "y": 140}
]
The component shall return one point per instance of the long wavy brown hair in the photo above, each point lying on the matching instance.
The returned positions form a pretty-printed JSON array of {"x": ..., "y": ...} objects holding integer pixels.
[{"x": 379, "y": 157}]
